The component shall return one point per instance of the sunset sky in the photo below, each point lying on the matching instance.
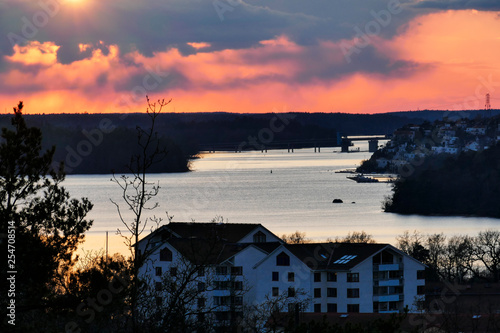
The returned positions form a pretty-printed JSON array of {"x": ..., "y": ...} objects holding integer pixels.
[{"x": 350, "y": 56}]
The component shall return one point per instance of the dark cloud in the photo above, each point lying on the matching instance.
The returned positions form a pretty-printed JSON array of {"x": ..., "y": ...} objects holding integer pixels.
[
  {"x": 151, "y": 26},
  {"x": 156, "y": 25},
  {"x": 70, "y": 51},
  {"x": 151, "y": 80},
  {"x": 484, "y": 5}
]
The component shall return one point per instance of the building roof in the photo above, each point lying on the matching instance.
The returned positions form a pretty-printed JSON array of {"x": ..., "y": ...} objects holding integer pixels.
[
  {"x": 227, "y": 232},
  {"x": 214, "y": 243},
  {"x": 204, "y": 251},
  {"x": 267, "y": 247},
  {"x": 338, "y": 256}
]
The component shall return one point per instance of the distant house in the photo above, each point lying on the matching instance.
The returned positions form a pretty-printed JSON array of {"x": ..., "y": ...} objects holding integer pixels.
[
  {"x": 250, "y": 264},
  {"x": 448, "y": 133},
  {"x": 404, "y": 135},
  {"x": 476, "y": 130},
  {"x": 473, "y": 145}
]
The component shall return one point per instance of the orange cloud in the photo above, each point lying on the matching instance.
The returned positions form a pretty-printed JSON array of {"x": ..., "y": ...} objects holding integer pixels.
[
  {"x": 200, "y": 45},
  {"x": 35, "y": 53},
  {"x": 456, "y": 54}
]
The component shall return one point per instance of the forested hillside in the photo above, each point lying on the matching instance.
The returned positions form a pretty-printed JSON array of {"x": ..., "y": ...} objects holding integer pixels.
[
  {"x": 101, "y": 143},
  {"x": 467, "y": 184}
]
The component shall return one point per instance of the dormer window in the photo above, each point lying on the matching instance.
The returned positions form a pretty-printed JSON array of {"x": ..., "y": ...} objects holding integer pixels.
[
  {"x": 282, "y": 259},
  {"x": 259, "y": 237},
  {"x": 165, "y": 255}
]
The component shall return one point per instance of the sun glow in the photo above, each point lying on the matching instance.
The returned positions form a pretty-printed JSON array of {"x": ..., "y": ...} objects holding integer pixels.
[{"x": 75, "y": 2}]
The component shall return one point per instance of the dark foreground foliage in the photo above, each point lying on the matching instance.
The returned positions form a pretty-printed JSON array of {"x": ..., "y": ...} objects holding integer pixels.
[{"x": 468, "y": 185}]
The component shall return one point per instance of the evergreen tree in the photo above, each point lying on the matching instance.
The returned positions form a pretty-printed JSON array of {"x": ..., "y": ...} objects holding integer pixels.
[{"x": 45, "y": 224}]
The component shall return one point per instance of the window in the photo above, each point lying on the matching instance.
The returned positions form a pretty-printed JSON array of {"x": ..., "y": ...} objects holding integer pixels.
[
  {"x": 317, "y": 292},
  {"x": 345, "y": 259},
  {"x": 291, "y": 276},
  {"x": 237, "y": 300},
  {"x": 383, "y": 258},
  {"x": 282, "y": 259},
  {"x": 317, "y": 307},
  {"x": 201, "y": 302},
  {"x": 222, "y": 300},
  {"x": 237, "y": 270},
  {"x": 393, "y": 306},
  {"x": 331, "y": 307},
  {"x": 352, "y": 307},
  {"x": 221, "y": 316},
  {"x": 221, "y": 285},
  {"x": 379, "y": 291},
  {"x": 165, "y": 255},
  {"x": 238, "y": 285},
  {"x": 292, "y": 307},
  {"x": 331, "y": 292},
  {"x": 201, "y": 287},
  {"x": 331, "y": 277},
  {"x": 291, "y": 292},
  {"x": 259, "y": 237},
  {"x": 276, "y": 276},
  {"x": 158, "y": 286},
  {"x": 395, "y": 274},
  {"x": 317, "y": 277},
  {"x": 420, "y": 290},
  {"x": 173, "y": 271},
  {"x": 352, "y": 277},
  {"x": 159, "y": 301},
  {"x": 221, "y": 270},
  {"x": 421, "y": 274},
  {"x": 353, "y": 293},
  {"x": 200, "y": 317},
  {"x": 276, "y": 291},
  {"x": 158, "y": 271}
]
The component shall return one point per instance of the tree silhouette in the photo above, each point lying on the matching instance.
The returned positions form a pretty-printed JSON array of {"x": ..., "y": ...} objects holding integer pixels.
[
  {"x": 137, "y": 195},
  {"x": 47, "y": 225}
]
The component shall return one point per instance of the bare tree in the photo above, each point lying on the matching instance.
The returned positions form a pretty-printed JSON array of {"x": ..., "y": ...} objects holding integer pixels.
[
  {"x": 461, "y": 262},
  {"x": 137, "y": 195},
  {"x": 275, "y": 310},
  {"x": 413, "y": 245},
  {"x": 180, "y": 301},
  {"x": 296, "y": 237},
  {"x": 436, "y": 245},
  {"x": 487, "y": 252},
  {"x": 356, "y": 237}
]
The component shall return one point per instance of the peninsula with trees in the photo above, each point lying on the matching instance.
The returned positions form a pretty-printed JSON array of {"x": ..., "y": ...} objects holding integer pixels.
[{"x": 448, "y": 167}]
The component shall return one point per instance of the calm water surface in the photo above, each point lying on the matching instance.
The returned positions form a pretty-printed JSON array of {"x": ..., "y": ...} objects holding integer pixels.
[{"x": 296, "y": 195}]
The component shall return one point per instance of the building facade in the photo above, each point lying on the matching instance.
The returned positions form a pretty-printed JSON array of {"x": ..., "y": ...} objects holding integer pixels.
[{"x": 246, "y": 264}]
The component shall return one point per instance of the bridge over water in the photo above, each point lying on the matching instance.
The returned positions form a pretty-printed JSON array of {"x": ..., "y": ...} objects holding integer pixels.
[
  {"x": 346, "y": 141},
  {"x": 254, "y": 144}
]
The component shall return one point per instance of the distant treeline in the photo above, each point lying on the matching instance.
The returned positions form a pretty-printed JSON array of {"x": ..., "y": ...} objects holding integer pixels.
[
  {"x": 101, "y": 143},
  {"x": 467, "y": 184}
]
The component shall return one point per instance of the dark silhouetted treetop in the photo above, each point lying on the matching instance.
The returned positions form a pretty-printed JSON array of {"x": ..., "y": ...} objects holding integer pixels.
[{"x": 48, "y": 224}]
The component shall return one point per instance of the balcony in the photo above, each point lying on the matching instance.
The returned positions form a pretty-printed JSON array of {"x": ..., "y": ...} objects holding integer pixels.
[
  {"x": 387, "y": 267},
  {"x": 390, "y": 283},
  {"x": 388, "y": 298}
]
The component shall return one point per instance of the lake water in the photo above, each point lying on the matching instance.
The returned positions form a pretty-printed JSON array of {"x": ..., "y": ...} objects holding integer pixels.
[{"x": 296, "y": 195}]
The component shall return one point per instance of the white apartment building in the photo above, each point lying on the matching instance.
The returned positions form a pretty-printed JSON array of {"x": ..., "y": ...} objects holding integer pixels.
[{"x": 249, "y": 265}]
